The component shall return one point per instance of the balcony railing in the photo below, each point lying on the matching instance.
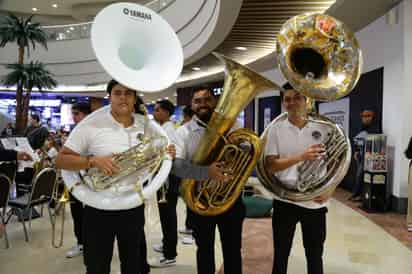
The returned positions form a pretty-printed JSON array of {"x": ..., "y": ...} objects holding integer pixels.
[{"x": 82, "y": 30}]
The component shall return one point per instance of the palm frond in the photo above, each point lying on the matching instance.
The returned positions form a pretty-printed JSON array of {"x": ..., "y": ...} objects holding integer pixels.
[
  {"x": 29, "y": 75},
  {"x": 23, "y": 31}
]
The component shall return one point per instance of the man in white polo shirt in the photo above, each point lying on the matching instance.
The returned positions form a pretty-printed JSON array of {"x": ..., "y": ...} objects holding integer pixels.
[
  {"x": 102, "y": 136},
  {"x": 163, "y": 111},
  {"x": 230, "y": 222},
  {"x": 290, "y": 143}
]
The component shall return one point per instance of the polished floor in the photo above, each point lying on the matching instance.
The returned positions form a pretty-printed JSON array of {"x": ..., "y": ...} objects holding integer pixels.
[
  {"x": 392, "y": 222},
  {"x": 355, "y": 244}
]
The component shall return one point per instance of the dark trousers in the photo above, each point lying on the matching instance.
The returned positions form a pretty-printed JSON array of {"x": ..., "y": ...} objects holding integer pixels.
[
  {"x": 313, "y": 223},
  {"x": 168, "y": 221},
  {"x": 101, "y": 227},
  {"x": 76, "y": 208},
  {"x": 145, "y": 267},
  {"x": 358, "y": 186},
  {"x": 189, "y": 218},
  {"x": 230, "y": 229}
]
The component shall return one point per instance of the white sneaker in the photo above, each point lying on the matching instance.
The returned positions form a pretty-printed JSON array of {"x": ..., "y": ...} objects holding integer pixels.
[
  {"x": 158, "y": 248},
  {"x": 160, "y": 262},
  {"x": 188, "y": 240},
  {"x": 185, "y": 230},
  {"x": 75, "y": 251}
]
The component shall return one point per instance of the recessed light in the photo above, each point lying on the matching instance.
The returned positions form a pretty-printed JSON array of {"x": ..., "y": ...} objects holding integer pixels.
[
  {"x": 54, "y": 5},
  {"x": 34, "y": 9},
  {"x": 166, "y": 98},
  {"x": 68, "y": 31},
  {"x": 153, "y": 102},
  {"x": 240, "y": 48},
  {"x": 196, "y": 68},
  {"x": 72, "y": 28}
]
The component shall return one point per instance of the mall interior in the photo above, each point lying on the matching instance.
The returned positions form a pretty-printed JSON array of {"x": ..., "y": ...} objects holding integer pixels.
[{"x": 318, "y": 180}]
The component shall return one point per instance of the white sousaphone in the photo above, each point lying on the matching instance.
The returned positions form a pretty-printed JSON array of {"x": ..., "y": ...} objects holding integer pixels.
[{"x": 139, "y": 49}]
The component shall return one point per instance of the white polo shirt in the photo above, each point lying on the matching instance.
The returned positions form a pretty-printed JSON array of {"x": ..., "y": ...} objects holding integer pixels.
[
  {"x": 175, "y": 139},
  {"x": 102, "y": 135},
  {"x": 190, "y": 137},
  {"x": 190, "y": 134},
  {"x": 286, "y": 140}
]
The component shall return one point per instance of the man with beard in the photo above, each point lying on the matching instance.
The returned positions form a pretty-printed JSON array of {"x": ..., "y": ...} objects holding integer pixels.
[
  {"x": 230, "y": 222},
  {"x": 359, "y": 141}
]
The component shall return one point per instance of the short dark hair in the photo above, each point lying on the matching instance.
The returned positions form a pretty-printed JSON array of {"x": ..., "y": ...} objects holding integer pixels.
[
  {"x": 35, "y": 117},
  {"x": 369, "y": 110},
  {"x": 138, "y": 107},
  {"x": 167, "y": 105},
  {"x": 82, "y": 107},
  {"x": 201, "y": 88},
  {"x": 187, "y": 110},
  {"x": 287, "y": 86},
  {"x": 110, "y": 86}
]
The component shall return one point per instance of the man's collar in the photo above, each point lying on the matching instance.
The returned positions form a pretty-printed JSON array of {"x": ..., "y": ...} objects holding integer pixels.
[{"x": 138, "y": 120}]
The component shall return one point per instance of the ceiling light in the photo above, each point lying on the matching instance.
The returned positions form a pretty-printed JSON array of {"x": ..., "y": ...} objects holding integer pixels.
[
  {"x": 196, "y": 68},
  {"x": 54, "y": 5},
  {"x": 68, "y": 31},
  {"x": 240, "y": 48},
  {"x": 166, "y": 98},
  {"x": 34, "y": 9},
  {"x": 141, "y": 94},
  {"x": 72, "y": 28},
  {"x": 153, "y": 102}
]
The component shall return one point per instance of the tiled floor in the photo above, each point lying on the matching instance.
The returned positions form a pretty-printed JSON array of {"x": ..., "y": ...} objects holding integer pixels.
[
  {"x": 39, "y": 257},
  {"x": 391, "y": 222},
  {"x": 354, "y": 244}
]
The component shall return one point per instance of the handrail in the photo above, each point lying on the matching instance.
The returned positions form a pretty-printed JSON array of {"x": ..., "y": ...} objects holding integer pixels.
[{"x": 82, "y": 30}]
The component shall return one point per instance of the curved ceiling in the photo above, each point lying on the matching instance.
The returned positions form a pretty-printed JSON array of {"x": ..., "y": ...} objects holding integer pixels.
[
  {"x": 55, "y": 12},
  {"x": 250, "y": 41},
  {"x": 202, "y": 28}
]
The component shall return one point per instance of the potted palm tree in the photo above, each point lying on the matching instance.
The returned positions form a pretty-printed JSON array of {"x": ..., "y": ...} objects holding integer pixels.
[
  {"x": 26, "y": 34},
  {"x": 26, "y": 77},
  {"x": 22, "y": 31}
]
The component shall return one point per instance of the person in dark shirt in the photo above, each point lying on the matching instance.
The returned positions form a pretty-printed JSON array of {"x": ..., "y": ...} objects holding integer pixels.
[
  {"x": 7, "y": 155},
  {"x": 12, "y": 155},
  {"x": 36, "y": 133},
  {"x": 368, "y": 127},
  {"x": 8, "y": 131}
]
